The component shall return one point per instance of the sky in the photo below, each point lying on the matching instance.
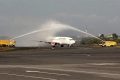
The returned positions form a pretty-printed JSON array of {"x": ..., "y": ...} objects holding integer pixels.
[{"x": 20, "y": 16}]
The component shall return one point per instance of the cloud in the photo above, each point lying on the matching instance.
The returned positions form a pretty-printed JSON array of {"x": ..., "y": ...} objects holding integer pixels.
[
  {"x": 95, "y": 23},
  {"x": 21, "y": 16},
  {"x": 114, "y": 20}
]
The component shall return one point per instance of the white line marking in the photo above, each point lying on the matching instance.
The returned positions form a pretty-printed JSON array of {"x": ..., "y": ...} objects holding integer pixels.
[
  {"x": 109, "y": 75},
  {"x": 103, "y": 64},
  {"x": 105, "y": 74},
  {"x": 32, "y": 71},
  {"x": 48, "y": 73},
  {"x": 27, "y": 76}
]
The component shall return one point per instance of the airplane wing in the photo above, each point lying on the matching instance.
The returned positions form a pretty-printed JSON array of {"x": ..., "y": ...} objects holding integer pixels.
[
  {"x": 45, "y": 42},
  {"x": 51, "y": 43}
]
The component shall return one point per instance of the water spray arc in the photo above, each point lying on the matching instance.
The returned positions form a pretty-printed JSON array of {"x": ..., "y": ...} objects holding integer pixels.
[
  {"x": 36, "y": 31},
  {"x": 84, "y": 32},
  {"x": 53, "y": 27}
]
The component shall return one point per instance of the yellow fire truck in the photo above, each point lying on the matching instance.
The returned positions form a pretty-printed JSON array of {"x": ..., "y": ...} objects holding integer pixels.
[
  {"x": 7, "y": 43},
  {"x": 108, "y": 44}
]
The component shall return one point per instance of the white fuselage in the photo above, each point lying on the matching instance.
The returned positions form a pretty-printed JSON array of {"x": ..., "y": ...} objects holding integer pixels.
[{"x": 62, "y": 41}]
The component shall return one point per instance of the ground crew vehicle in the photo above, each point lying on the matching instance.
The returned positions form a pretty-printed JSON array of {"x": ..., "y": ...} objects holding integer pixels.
[
  {"x": 7, "y": 43},
  {"x": 108, "y": 43}
]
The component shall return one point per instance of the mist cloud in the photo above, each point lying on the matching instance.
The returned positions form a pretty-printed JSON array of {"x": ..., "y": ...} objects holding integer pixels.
[{"x": 20, "y": 16}]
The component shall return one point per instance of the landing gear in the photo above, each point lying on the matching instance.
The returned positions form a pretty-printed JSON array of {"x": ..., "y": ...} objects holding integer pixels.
[
  {"x": 69, "y": 46},
  {"x": 53, "y": 47},
  {"x": 62, "y": 45}
]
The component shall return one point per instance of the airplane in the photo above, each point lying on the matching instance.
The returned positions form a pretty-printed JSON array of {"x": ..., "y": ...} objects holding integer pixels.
[{"x": 60, "y": 41}]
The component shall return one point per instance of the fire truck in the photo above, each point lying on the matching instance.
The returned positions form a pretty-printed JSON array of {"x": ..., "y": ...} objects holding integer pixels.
[
  {"x": 108, "y": 44},
  {"x": 7, "y": 43}
]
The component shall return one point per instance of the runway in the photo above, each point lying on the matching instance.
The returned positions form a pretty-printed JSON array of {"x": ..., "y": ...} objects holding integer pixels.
[{"x": 61, "y": 64}]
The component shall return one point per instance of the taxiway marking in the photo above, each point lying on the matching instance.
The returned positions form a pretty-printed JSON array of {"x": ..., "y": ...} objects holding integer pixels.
[
  {"x": 56, "y": 68},
  {"x": 106, "y": 64},
  {"x": 27, "y": 76},
  {"x": 47, "y": 73},
  {"x": 102, "y": 74}
]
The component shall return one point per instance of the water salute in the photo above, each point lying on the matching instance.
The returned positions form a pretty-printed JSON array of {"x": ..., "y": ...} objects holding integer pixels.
[{"x": 59, "y": 40}]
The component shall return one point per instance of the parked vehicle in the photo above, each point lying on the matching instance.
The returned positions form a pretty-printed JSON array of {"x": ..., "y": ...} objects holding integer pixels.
[
  {"x": 108, "y": 44},
  {"x": 7, "y": 43}
]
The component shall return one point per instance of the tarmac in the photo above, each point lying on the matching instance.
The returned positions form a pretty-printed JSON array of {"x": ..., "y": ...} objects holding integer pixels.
[{"x": 79, "y": 63}]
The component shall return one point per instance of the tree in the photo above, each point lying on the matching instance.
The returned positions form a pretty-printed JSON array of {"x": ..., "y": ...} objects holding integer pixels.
[
  {"x": 90, "y": 40},
  {"x": 115, "y": 36}
]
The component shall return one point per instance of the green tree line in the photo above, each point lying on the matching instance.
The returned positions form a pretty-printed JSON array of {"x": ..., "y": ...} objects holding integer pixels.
[{"x": 92, "y": 40}]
